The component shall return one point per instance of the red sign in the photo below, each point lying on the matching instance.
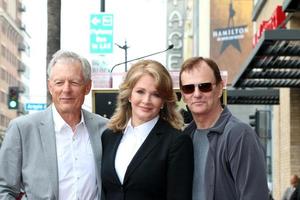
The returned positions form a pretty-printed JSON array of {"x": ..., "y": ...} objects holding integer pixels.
[{"x": 274, "y": 22}]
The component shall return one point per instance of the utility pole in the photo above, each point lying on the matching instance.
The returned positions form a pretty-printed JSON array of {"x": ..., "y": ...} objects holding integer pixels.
[{"x": 102, "y": 5}]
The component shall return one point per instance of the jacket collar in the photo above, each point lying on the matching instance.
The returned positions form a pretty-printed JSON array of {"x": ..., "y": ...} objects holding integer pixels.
[{"x": 217, "y": 128}]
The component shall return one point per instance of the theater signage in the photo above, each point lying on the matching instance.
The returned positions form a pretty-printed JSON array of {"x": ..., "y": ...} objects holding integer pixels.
[{"x": 175, "y": 30}]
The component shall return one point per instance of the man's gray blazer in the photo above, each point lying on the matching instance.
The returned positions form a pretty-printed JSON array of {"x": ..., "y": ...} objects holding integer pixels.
[{"x": 28, "y": 155}]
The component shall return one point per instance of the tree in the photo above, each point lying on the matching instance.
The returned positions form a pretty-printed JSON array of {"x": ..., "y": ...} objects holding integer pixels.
[{"x": 53, "y": 32}]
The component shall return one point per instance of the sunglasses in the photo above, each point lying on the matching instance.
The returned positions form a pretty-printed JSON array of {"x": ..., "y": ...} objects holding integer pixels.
[{"x": 203, "y": 87}]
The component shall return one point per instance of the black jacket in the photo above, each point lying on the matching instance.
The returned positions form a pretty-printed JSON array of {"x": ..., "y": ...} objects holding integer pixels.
[
  {"x": 296, "y": 193},
  {"x": 162, "y": 169}
]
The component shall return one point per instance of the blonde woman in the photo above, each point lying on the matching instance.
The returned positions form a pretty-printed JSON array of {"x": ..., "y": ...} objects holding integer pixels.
[{"x": 145, "y": 155}]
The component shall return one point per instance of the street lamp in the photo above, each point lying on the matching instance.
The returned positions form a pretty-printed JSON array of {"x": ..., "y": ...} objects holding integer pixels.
[
  {"x": 124, "y": 47},
  {"x": 171, "y": 46}
]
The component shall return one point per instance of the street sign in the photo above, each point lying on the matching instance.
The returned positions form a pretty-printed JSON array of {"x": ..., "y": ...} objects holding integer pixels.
[
  {"x": 35, "y": 106},
  {"x": 101, "y": 33}
]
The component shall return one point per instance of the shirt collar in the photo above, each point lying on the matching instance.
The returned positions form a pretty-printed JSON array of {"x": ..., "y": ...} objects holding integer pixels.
[
  {"x": 59, "y": 122},
  {"x": 144, "y": 129}
]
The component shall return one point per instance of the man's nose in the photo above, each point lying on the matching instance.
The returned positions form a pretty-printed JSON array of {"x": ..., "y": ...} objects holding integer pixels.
[
  {"x": 197, "y": 92},
  {"x": 66, "y": 86}
]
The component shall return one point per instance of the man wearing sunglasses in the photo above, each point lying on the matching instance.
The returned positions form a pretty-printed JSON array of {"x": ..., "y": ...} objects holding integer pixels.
[{"x": 229, "y": 158}]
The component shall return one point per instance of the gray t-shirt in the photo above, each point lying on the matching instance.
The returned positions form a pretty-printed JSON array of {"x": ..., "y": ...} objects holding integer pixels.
[{"x": 201, "y": 145}]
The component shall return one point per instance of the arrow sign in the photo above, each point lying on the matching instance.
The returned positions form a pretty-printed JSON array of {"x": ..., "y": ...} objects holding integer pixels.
[{"x": 101, "y": 33}]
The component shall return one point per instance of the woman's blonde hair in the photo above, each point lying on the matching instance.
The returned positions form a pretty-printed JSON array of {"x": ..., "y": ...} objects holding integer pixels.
[{"x": 164, "y": 85}]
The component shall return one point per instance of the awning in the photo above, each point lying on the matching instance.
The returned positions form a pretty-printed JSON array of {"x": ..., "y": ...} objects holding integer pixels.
[
  {"x": 291, "y": 5},
  {"x": 253, "y": 96},
  {"x": 274, "y": 62}
]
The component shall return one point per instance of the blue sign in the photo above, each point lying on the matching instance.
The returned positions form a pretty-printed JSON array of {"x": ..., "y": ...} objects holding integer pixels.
[
  {"x": 101, "y": 33},
  {"x": 35, "y": 106}
]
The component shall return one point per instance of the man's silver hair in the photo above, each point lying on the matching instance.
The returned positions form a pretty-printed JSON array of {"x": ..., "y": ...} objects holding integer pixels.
[{"x": 69, "y": 56}]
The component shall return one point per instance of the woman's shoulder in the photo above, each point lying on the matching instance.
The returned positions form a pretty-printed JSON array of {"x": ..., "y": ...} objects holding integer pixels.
[
  {"x": 169, "y": 130},
  {"x": 165, "y": 125},
  {"x": 109, "y": 133}
]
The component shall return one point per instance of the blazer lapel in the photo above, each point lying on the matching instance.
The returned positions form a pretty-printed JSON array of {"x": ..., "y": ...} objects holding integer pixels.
[
  {"x": 112, "y": 158},
  {"x": 95, "y": 137},
  {"x": 47, "y": 134},
  {"x": 96, "y": 145},
  {"x": 151, "y": 141}
]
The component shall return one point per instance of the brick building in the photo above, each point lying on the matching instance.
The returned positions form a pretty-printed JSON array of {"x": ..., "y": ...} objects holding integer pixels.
[{"x": 12, "y": 49}]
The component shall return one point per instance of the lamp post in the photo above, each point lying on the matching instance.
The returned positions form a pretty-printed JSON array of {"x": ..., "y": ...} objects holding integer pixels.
[
  {"x": 171, "y": 46},
  {"x": 124, "y": 47}
]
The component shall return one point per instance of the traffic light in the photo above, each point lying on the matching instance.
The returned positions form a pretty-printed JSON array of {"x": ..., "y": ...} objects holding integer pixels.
[
  {"x": 254, "y": 120},
  {"x": 13, "y": 98}
]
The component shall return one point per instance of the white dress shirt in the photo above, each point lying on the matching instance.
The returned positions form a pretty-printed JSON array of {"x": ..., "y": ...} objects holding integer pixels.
[
  {"x": 131, "y": 141},
  {"x": 76, "y": 165}
]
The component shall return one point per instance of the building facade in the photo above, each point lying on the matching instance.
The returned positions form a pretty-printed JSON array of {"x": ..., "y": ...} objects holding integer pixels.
[
  {"x": 286, "y": 135},
  {"x": 228, "y": 32},
  {"x": 12, "y": 67}
]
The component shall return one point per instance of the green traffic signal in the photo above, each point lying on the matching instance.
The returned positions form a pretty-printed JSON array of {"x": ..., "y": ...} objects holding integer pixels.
[{"x": 13, "y": 98}]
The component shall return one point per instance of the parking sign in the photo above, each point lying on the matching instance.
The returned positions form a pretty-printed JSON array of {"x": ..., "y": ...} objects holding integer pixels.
[{"x": 101, "y": 33}]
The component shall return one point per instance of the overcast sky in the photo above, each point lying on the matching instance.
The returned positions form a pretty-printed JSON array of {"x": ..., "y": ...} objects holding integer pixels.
[{"x": 140, "y": 22}]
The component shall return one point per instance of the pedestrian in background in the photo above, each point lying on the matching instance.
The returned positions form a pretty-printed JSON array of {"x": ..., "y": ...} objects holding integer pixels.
[
  {"x": 56, "y": 153},
  {"x": 296, "y": 193},
  {"x": 294, "y": 181},
  {"x": 228, "y": 156},
  {"x": 145, "y": 155}
]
